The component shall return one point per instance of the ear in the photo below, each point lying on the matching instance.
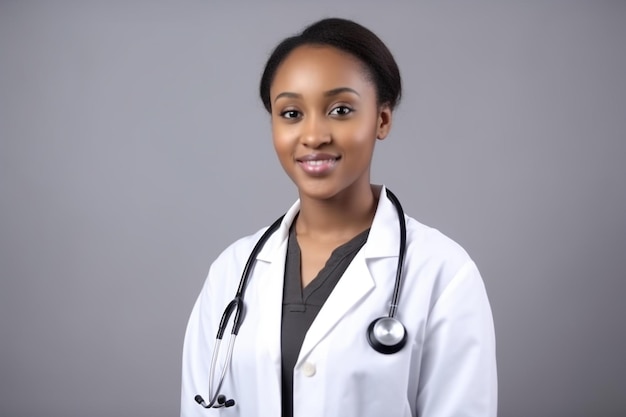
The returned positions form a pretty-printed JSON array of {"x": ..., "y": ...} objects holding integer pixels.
[{"x": 384, "y": 121}]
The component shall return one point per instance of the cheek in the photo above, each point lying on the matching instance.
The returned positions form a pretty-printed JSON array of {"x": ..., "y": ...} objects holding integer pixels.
[
  {"x": 359, "y": 134},
  {"x": 281, "y": 138}
]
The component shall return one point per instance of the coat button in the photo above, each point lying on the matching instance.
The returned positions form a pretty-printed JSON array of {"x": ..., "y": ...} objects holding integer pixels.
[{"x": 308, "y": 369}]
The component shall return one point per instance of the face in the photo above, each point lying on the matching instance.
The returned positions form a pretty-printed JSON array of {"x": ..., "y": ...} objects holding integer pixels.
[{"x": 325, "y": 121}]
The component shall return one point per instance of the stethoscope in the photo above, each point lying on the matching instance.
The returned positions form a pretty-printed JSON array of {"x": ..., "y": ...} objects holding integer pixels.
[{"x": 385, "y": 334}]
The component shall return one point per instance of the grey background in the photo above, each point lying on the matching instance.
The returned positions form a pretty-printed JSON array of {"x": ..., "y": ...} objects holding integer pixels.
[{"x": 133, "y": 149}]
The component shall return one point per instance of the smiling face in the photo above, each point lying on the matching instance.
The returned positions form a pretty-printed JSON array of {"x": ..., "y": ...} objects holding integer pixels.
[{"x": 325, "y": 121}]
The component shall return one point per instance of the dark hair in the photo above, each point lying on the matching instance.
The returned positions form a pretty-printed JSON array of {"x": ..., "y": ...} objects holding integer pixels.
[{"x": 347, "y": 36}]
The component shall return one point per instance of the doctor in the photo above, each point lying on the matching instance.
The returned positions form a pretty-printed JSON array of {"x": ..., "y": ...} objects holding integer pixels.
[{"x": 329, "y": 269}]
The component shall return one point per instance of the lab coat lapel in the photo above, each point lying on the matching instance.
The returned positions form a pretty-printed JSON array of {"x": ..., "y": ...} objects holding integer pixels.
[
  {"x": 270, "y": 269},
  {"x": 357, "y": 281},
  {"x": 355, "y": 284}
]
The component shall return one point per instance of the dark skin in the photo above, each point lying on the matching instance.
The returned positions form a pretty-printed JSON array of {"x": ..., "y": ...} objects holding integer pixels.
[{"x": 325, "y": 122}]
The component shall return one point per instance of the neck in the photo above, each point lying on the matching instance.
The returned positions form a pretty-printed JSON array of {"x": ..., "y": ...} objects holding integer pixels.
[{"x": 340, "y": 217}]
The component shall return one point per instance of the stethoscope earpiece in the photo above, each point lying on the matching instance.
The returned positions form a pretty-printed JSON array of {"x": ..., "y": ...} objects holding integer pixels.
[
  {"x": 386, "y": 335},
  {"x": 220, "y": 402}
]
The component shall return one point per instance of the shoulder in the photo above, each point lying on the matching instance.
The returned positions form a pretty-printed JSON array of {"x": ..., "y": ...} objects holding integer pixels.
[
  {"x": 239, "y": 249},
  {"x": 225, "y": 271},
  {"x": 438, "y": 261},
  {"x": 433, "y": 245}
]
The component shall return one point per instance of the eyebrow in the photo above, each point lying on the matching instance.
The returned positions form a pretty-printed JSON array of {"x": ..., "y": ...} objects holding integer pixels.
[{"x": 329, "y": 93}]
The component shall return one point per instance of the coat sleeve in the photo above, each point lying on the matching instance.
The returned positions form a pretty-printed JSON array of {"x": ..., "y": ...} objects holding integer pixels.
[{"x": 458, "y": 372}]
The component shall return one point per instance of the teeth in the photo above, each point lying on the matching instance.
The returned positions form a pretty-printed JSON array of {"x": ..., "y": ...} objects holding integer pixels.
[{"x": 319, "y": 162}]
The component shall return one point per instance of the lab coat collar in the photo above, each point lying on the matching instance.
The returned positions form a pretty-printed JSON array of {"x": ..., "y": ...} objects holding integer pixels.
[
  {"x": 384, "y": 237},
  {"x": 269, "y": 251},
  {"x": 383, "y": 241}
]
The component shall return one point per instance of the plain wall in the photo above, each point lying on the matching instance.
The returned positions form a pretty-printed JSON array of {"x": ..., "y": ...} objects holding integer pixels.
[{"x": 134, "y": 148}]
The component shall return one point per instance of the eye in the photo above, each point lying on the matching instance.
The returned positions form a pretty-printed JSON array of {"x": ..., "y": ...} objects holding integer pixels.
[
  {"x": 290, "y": 114},
  {"x": 341, "y": 111}
]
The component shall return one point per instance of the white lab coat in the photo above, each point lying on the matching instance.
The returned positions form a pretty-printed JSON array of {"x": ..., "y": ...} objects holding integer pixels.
[{"x": 447, "y": 368}]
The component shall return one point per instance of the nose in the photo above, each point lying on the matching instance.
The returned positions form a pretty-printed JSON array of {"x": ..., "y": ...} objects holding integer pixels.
[{"x": 315, "y": 132}]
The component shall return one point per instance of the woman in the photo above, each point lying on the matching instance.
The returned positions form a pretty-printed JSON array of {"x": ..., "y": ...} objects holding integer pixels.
[{"x": 306, "y": 346}]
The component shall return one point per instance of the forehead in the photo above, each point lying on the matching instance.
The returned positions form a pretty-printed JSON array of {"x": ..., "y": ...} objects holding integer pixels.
[{"x": 311, "y": 67}]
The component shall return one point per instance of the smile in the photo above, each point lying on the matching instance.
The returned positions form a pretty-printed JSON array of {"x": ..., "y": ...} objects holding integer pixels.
[{"x": 318, "y": 165}]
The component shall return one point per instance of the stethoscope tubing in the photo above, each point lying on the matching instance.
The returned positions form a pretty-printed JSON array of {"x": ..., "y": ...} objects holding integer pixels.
[
  {"x": 245, "y": 275},
  {"x": 237, "y": 306},
  {"x": 401, "y": 253},
  {"x": 229, "y": 356}
]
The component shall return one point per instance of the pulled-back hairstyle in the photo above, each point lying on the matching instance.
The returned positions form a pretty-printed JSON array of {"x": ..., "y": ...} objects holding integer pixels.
[{"x": 349, "y": 37}]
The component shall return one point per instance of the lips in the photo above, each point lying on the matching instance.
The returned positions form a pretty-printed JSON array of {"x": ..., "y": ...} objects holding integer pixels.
[{"x": 318, "y": 164}]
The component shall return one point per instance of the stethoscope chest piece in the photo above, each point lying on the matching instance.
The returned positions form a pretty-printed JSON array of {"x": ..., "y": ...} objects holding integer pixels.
[{"x": 386, "y": 335}]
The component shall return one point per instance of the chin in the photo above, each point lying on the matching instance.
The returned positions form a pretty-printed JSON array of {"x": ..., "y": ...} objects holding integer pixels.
[{"x": 320, "y": 190}]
